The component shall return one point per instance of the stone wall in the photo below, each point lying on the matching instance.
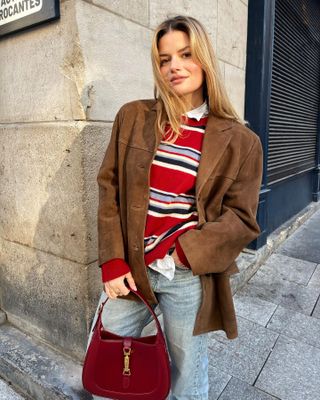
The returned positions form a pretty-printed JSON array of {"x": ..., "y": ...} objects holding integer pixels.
[{"x": 61, "y": 85}]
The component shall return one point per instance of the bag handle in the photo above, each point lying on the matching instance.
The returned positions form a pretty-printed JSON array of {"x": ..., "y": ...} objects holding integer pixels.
[{"x": 140, "y": 295}]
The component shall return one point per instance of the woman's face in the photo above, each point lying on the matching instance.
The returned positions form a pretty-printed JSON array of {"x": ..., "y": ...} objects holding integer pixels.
[{"x": 178, "y": 68}]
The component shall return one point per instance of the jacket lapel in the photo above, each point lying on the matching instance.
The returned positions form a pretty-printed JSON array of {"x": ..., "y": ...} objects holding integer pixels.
[{"x": 215, "y": 141}]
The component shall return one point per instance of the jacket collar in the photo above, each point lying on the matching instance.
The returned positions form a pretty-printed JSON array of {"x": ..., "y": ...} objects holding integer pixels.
[
  {"x": 216, "y": 139},
  {"x": 220, "y": 124}
]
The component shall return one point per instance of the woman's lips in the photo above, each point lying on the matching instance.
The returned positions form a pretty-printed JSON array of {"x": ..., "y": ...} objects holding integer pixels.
[{"x": 179, "y": 80}]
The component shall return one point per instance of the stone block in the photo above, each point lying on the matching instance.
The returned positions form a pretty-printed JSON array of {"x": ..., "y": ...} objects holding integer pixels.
[
  {"x": 296, "y": 325},
  {"x": 304, "y": 243},
  {"x": 50, "y": 192},
  {"x": 315, "y": 283},
  {"x": 222, "y": 69},
  {"x": 316, "y": 311},
  {"x": 275, "y": 289},
  {"x": 37, "y": 370},
  {"x": 117, "y": 61},
  {"x": 42, "y": 72},
  {"x": 253, "y": 308},
  {"x": 235, "y": 85},
  {"x": 45, "y": 296},
  {"x": 232, "y": 33},
  {"x": 42, "y": 189},
  {"x": 289, "y": 268},
  {"x": 292, "y": 371},
  {"x": 217, "y": 380},
  {"x": 244, "y": 356},
  {"x": 206, "y": 13},
  {"x": 315, "y": 278},
  {"x": 139, "y": 12},
  {"x": 239, "y": 390}
]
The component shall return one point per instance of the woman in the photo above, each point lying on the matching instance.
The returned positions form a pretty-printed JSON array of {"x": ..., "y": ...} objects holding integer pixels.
[{"x": 178, "y": 195}]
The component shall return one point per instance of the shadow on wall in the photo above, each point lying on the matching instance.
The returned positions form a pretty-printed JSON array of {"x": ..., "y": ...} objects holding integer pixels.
[{"x": 51, "y": 282}]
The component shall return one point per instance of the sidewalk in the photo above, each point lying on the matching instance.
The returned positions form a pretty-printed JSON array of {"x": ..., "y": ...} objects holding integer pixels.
[
  {"x": 7, "y": 392},
  {"x": 277, "y": 353}
]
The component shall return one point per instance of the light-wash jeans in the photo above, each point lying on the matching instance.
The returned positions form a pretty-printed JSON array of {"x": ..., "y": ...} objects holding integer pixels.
[{"x": 179, "y": 301}]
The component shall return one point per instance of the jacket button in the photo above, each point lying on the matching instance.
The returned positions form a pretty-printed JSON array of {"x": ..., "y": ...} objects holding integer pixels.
[
  {"x": 136, "y": 206},
  {"x": 135, "y": 247},
  {"x": 140, "y": 165}
]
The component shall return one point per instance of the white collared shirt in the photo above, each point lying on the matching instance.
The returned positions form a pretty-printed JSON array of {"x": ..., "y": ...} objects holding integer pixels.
[
  {"x": 199, "y": 112},
  {"x": 166, "y": 265}
]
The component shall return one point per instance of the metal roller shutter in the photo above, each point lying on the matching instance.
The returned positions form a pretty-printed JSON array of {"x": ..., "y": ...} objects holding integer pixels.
[{"x": 295, "y": 90}]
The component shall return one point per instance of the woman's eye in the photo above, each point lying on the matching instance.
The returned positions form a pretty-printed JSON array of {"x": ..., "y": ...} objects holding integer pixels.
[{"x": 184, "y": 55}]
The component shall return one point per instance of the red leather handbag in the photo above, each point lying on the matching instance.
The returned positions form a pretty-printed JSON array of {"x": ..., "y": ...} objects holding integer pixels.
[{"x": 126, "y": 367}]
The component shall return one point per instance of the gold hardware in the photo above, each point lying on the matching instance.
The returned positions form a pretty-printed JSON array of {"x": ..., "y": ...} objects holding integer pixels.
[{"x": 126, "y": 352}]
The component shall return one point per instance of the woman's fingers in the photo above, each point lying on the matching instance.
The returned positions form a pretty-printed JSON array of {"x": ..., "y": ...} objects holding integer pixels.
[
  {"x": 116, "y": 287},
  {"x": 121, "y": 289},
  {"x": 109, "y": 292},
  {"x": 130, "y": 281}
]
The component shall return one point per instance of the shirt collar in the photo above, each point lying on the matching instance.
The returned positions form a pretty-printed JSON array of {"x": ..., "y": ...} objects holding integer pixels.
[{"x": 198, "y": 112}]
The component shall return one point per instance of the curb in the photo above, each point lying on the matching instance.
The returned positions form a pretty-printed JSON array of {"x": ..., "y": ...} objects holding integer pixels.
[{"x": 37, "y": 371}]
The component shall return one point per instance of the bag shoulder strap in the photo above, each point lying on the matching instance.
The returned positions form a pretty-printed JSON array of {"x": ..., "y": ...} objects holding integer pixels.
[{"x": 140, "y": 295}]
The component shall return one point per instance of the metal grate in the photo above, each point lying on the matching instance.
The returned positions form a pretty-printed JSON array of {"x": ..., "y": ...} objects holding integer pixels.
[{"x": 295, "y": 89}]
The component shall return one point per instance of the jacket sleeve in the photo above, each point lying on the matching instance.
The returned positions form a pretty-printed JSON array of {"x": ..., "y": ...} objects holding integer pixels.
[
  {"x": 110, "y": 239},
  {"x": 214, "y": 246}
]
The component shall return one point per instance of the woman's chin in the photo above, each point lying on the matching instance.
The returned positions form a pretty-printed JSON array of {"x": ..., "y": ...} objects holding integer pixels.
[{"x": 180, "y": 93}]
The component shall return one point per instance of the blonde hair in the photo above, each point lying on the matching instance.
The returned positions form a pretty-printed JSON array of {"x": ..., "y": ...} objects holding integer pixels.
[{"x": 172, "y": 107}]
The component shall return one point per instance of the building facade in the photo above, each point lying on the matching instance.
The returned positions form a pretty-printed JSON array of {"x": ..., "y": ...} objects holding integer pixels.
[
  {"x": 62, "y": 81},
  {"x": 282, "y": 103}
]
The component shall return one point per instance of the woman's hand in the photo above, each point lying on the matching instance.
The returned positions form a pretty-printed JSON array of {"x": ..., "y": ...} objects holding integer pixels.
[{"x": 116, "y": 287}]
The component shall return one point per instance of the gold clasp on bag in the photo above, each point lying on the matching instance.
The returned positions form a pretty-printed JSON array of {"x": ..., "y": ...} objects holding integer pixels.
[{"x": 126, "y": 360}]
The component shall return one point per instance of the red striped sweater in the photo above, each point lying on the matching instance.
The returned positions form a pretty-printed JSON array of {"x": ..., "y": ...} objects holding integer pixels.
[{"x": 172, "y": 204}]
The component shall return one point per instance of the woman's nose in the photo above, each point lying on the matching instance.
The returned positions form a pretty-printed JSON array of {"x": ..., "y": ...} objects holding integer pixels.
[{"x": 175, "y": 63}]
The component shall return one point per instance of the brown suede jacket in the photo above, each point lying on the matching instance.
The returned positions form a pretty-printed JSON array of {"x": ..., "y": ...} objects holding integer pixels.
[{"x": 227, "y": 193}]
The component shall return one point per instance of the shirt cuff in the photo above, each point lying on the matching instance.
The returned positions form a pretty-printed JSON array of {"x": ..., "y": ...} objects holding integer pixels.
[
  {"x": 114, "y": 268},
  {"x": 181, "y": 254}
]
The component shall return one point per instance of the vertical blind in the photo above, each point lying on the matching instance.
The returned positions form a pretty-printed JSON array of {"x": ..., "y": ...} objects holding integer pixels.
[{"x": 295, "y": 89}]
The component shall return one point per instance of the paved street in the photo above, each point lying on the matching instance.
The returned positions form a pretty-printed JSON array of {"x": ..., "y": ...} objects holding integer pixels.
[{"x": 277, "y": 353}]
